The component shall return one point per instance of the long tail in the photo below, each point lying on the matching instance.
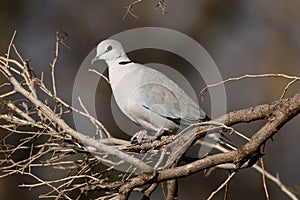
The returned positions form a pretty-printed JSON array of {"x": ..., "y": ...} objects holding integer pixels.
[
  {"x": 220, "y": 137},
  {"x": 223, "y": 140}
]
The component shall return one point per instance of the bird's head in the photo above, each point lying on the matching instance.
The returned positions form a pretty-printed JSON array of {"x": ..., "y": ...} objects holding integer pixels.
[{"x": 109, "y": 50}]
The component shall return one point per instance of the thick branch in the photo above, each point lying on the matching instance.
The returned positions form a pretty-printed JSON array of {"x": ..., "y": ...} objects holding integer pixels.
[
  {"x": 284, "y": 110},
  {"x": 288, "y": 109},
  {"x": 186, "y": 138},
  {"x": 251, "y": 114}
]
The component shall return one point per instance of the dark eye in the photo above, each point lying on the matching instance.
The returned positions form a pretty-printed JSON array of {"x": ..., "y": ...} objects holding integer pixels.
[{"x": 109, "y": 48}]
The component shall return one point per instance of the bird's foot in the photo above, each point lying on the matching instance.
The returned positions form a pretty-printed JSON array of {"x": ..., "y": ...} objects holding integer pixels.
[
  {"x": 139, "y": 136},
  {"x": 157, "y": 135}
]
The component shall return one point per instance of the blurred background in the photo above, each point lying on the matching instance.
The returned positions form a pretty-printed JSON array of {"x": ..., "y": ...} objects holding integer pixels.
[{"x": 242, "y": 37}]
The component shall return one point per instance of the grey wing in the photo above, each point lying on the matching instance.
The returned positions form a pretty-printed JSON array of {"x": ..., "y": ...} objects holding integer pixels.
[{"x": 164, "y": 97}]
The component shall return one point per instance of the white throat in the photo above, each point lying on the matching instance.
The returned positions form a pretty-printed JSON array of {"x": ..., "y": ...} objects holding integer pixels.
[{"x": 116, "y": 70}]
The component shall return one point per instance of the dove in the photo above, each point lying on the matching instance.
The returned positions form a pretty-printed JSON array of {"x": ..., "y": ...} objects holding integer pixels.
[{"x": 147, "y": 96}]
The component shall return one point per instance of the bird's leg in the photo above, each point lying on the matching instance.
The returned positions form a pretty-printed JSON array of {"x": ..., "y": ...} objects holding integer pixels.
[
  {"x": 159, "y": 133},
  {"x": 139, "y": 136},
  {"x": 142, "y": 134}
]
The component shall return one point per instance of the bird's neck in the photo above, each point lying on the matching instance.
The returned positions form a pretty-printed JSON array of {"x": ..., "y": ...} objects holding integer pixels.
[
  {"x": 117, "y": 70},
  {"x": 114, "y": 62}
]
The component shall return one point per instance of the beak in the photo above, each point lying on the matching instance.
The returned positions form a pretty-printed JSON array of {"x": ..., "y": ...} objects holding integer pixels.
[{"x": 94, "y": 60}]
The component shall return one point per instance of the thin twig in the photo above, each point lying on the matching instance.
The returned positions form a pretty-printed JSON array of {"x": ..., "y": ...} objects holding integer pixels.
[
  {"x": 99, "y": 74},
  {"x": 7, "y": 94},
  {"x": 93, "y": 120},
  {"x": 277, "y": 181},
  {"x": 9, "y": 47},
  {"x": 264, "y": 178},
  {"x": 221, "y": 186},
  {"x": 295, "y": 78},
  {"x": 162, "y": 5},
  {"x": 18, "y": 54},
  {"x": 129, "y": 9},
  {"x": 287, "y": 87},
  {"x": 262, "y": 171},
  {"x": 53, "y": 63}
]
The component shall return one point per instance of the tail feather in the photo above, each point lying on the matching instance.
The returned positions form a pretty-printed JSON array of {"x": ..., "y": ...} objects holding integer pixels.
[{"x": 223, "y": 140}]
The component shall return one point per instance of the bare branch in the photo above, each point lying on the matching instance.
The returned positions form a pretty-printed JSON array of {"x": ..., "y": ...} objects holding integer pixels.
[
  {"x": 129, "y": 9},
  {"x": 9, "y": 47},
  {"x": 285, "y": 111},
  {"x": 294, "y": 79},
  {"x": 287, "y": 87},
  {"x": 221, "y": 186},
  {"x": 99, "y": 74},
  {"x": 264, "y": 178},
  {"x": 160, "y": 4},
  {"x": 67, "y": 129}
]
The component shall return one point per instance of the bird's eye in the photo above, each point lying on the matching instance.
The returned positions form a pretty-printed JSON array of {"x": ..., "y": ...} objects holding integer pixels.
[{"x": 109, "y": 48}]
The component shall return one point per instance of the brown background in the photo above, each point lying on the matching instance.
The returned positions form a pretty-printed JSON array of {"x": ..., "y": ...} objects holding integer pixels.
[{"x": 243, "y": 37}]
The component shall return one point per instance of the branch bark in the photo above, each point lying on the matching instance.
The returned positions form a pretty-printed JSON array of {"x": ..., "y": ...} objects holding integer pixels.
[{"x": 278, "y": 113}]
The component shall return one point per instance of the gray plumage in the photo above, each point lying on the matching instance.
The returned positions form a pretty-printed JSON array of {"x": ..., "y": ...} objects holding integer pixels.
[{"x": 145, "y": 95}]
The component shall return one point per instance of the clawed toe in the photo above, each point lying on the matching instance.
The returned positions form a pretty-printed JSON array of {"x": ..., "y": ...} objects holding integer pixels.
[{"x": 139, "y": 136}]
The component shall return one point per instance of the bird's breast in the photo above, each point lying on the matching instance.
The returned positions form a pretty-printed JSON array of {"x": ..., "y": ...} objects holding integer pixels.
[{"x": 125, "y": 81}]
